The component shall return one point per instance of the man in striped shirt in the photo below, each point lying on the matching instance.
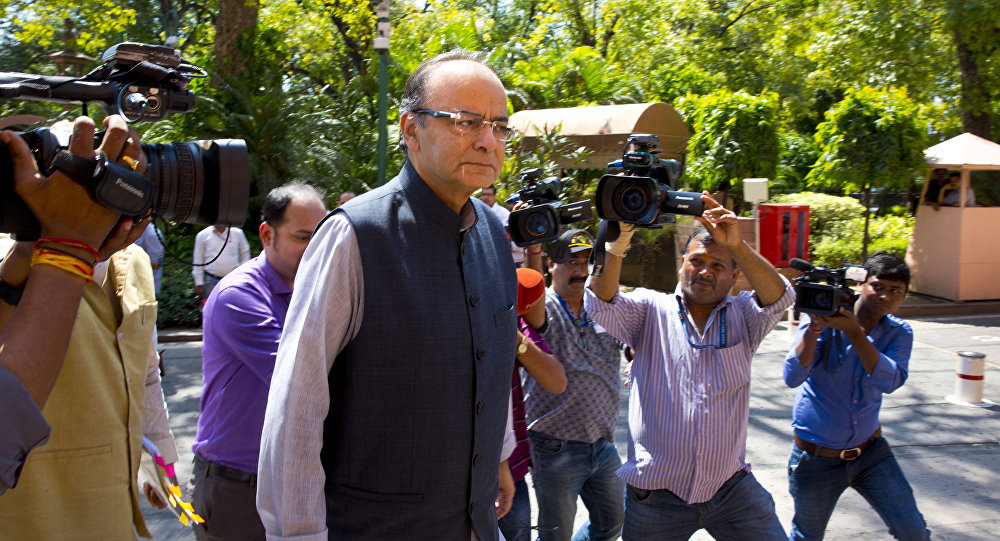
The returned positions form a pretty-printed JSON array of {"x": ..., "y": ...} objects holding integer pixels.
[{"x": 690, "y": 385}]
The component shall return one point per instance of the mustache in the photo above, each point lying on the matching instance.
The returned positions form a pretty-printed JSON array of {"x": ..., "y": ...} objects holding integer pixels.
[{"x": 577, "y": 279}]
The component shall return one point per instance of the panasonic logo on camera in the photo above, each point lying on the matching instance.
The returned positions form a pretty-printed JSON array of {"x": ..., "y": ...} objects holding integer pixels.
[{"x": 129, "y": 188}]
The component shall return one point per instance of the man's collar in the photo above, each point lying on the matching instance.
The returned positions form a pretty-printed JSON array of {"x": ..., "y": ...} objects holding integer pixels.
[{"x": 424, "y": 200}]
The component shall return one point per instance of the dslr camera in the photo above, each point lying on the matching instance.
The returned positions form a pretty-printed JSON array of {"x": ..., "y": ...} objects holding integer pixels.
[
  {"x": 812, "y": 296},
  {"x": 542, "y": 219},
  {"x": 644, "y": 196},
  {"x": 204, "y": 182}
]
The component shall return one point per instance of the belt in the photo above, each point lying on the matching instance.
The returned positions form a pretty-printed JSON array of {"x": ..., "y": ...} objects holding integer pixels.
[
  {"x": 843, "y": 454},
  {"x": 212, "y": 275},
  {"x": 213, "y": 469}
]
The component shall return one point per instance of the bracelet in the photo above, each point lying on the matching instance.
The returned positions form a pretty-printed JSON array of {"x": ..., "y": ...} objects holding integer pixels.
[
  {"x": 526, "y": 252},
  {"x": 817, "y": 331},
  {"x": 69, "y": 242},
  {"x": 63, "y": 262},
  {"x": 64, "y": 252}
]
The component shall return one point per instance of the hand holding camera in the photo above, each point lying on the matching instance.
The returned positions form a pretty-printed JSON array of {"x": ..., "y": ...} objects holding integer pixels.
[{"x": 63, "y": 207}]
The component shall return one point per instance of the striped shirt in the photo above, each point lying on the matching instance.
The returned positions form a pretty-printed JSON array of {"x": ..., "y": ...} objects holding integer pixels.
[{"x": 688, "y": 407}]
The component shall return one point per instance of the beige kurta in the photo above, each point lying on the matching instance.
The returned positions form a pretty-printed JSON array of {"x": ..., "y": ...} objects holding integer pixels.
[{"x": 82, "y": 484}]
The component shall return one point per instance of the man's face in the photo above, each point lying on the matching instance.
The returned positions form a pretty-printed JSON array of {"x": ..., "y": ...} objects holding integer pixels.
[
  {"x": 941, "y": 175},
  {"x": 569, "y": 278},
  {"x": 488, "y": 196},
  {"x": 454, "y": 164},
  {"x": 882, "y": 297},
  {"x": 285, "y": 243},
  {"x": 707, "y": 274}
]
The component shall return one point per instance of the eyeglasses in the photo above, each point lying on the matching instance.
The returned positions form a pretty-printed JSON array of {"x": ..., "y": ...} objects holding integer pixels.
[{"x": 467, "y": 123}]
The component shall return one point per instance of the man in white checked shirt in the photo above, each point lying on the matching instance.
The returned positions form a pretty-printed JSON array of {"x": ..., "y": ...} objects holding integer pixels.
[{"x": 690, "y": 385}]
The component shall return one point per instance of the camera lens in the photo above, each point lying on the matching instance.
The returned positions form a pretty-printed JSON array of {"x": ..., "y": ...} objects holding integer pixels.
[
  {"x": 630, "y": 200},
  {"x": 203, "y": 182},
  {"x": 633, "y": 200},
  {"x": 537, "y": 224}
]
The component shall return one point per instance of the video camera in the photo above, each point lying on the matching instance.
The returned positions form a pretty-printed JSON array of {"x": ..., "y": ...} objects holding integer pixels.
[
  {"x": 816, "y": 298},
  {"x": 645, "y": 195},
  {"x": 205, "y": 182},
  {"x": 542, "y": 219}
]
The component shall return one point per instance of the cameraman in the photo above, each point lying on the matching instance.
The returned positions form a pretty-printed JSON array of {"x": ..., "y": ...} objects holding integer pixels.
[
  {"x": 844, "y": 364},
  {"x": 690, "y": 384},
  {"x": 80, "y": 342},
  {"x": 33, "y": 345}
]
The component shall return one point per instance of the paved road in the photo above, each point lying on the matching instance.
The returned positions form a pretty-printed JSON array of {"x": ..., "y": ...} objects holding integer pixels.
[{"x": 950, "y": 453}]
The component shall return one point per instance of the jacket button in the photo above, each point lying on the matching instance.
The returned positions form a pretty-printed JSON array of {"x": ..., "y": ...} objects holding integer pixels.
[
  {"x": 474, "y": 300},
  {"x": 477, "y": 460},
  {"x": 480, "y": 353},
  {"x": 479, "y": 407},
  {"x": 472, "y": 507}
]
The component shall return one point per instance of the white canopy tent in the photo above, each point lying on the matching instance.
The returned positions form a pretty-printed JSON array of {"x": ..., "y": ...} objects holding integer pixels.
[
  {"x": 952, "y": 251},
  {"x": 604, "y": 128}
]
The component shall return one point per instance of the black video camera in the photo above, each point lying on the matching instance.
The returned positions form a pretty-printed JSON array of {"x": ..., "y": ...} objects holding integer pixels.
[
  {"x": 816, "y": 298},
  {"x": 206, "y": 182},
  {"x": 645, "y": 195},
  {"x": 542, "y": 219}
]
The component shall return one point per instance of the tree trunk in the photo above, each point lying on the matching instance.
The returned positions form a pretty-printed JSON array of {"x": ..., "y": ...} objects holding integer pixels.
[
  {"x": 236, "y": 19},
  {"x": 974, "y": 102},
  {"x": 866, "y": 198}
]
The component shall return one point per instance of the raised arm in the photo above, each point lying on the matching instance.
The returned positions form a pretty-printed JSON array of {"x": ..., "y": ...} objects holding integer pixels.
[{"x": 721, "y": 223}]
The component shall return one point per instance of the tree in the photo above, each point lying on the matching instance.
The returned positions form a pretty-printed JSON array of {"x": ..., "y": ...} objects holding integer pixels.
[
  {"x": 735, "y": 136},
  {"x": 871, "y": 138}
]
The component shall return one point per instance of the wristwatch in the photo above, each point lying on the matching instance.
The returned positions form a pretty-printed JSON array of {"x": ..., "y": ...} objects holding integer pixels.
[
  {"x": 522, "y": 348},
  {"x": 10, "y": 294}
]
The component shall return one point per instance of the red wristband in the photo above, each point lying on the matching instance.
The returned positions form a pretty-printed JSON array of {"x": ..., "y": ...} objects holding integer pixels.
[
  {"x": 817, "y": 331},
  {"x": 69, "y": 242}
]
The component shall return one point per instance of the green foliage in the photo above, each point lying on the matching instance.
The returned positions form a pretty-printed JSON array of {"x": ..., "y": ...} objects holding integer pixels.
[
  {"x": 825, "y": 211},
  {"x": 841, "y": 244},
  {"x": 735, "y": 137},
  {"x": 871, "y": 138}
]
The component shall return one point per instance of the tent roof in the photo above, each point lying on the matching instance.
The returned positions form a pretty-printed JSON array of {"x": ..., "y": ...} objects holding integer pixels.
[
  {"x": 604, "y": 128},
  {"x": 966, "y": 151}
]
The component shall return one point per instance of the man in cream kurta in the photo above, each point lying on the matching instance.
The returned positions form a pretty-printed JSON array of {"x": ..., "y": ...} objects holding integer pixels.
[{"x": 82, "y": 484}]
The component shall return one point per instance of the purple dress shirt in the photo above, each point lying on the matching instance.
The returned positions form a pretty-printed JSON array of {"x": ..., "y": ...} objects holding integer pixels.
[{"x": 242, "y": 324}]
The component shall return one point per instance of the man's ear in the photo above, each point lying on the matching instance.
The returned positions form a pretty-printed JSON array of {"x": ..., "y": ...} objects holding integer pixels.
[
  {"x": 266, "y": 233},
  {"x": 408, "y": 129}
]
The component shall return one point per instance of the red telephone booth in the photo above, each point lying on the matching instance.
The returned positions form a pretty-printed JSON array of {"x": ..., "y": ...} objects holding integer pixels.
[{"x": 784, "y": 232}]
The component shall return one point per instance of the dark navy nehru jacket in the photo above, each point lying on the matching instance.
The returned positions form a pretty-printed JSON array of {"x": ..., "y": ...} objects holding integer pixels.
[{"x": 418, "y": 399}]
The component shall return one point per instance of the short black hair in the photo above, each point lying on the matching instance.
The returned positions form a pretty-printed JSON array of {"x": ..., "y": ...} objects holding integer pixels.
[
  {"x": 886, "y": 266},
  {"x": 705, "y": 238},
  {"x": 272, "y": 210},
  {"x": 415, "y": 92}
]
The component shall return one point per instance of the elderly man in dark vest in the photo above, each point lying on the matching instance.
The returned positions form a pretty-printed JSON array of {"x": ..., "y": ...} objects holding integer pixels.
[{"x": 389, "y": 399}]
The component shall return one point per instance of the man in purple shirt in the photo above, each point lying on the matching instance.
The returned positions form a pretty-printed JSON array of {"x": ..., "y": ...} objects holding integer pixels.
[{"x": 243, "y": 319}]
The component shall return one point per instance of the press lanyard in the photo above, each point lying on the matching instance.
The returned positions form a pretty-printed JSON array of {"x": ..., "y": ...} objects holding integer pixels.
[
  {"x": 722, "y": 328},
  {"x": 580, "y": 323}
]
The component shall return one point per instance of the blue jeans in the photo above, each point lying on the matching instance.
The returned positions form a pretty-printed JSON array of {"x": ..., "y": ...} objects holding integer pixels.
[
  {"x": 565, "y": 470},
  {"x": 516, "y": 524},
  {"x": 740, "y": 510},
  {"x": 816, "y": 483}
]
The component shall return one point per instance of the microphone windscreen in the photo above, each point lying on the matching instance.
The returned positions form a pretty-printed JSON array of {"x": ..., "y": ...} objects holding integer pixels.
[{"x": 800, "y": 264}]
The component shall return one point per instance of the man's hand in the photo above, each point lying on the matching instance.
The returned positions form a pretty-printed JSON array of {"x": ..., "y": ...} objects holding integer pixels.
[
  {"x": 505, "y": 498},
  {"x": 62, "y": 206},
  {"x": 720, "y": 222},
  {"x": 199, "y": 291},
  {"x": 843, "y": 321},
  {"x": 152, "y": 497},
  {"x": 620, "y": 245}
]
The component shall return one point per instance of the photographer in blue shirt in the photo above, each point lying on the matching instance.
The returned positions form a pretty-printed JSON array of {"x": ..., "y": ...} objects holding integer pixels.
[{"x": 844, "y": 363}]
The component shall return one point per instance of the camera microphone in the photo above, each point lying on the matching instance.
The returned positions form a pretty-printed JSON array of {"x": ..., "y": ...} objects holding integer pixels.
[{"x": 800, "y": 264}]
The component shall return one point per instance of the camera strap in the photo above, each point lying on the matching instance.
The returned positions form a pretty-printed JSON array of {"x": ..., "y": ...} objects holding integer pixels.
[
  {"x": 607, "y": 231},
  {"x": 110, "y": 184}
]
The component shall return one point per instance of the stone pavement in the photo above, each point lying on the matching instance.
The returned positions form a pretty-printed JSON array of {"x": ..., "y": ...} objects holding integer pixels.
[{"x": 950, "y": 453}]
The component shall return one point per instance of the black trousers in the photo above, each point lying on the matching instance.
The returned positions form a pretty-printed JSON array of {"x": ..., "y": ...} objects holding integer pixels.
[{"x": 228, "y": 506}]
